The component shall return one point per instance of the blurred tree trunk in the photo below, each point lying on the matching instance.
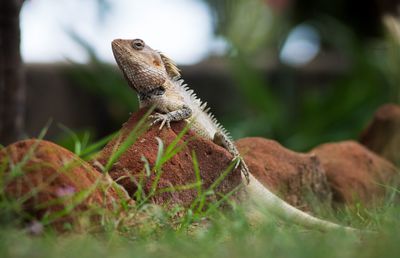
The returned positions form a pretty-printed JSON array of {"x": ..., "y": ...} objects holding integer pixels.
[{"x": 12, "y": 84}]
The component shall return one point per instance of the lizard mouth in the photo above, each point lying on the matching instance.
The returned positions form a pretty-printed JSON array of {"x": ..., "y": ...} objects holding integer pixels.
[{"x": 116, "y": 46}]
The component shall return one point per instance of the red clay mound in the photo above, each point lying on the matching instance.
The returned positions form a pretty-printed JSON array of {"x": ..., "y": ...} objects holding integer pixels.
[
  {"x": 355, "y": 173},
  {"x": 382, "y": 136},
  {"x": 177, "y": 172},
  {"x": 290, "y": 174},
  {"x": 52, "y": 182}
]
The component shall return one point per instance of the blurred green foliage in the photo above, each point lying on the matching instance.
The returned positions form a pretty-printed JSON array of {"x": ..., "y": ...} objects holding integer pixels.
[
  {"x": 391, "y": 63},
  {"x": 298, "y": 116},
  {"x": 104, "y": 80},
  {"x": 302, "y": 117}
]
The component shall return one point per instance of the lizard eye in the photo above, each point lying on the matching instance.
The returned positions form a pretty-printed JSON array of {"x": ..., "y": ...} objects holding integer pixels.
[{"x": 138, "y": 44}]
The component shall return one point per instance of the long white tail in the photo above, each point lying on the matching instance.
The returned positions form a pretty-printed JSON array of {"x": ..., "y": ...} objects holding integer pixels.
[{"x": 261, "y": 197}]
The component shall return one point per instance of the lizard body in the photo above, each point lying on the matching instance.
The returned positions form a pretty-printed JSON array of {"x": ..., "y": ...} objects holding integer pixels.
[{"x": 157, "y": 81}]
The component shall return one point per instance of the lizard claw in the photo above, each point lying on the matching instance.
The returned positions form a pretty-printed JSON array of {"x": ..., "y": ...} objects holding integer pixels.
[
  {"x": 243, "y": 167},
  {"x": 160, "y": 118},
  {"x": 237, "y": 160}
]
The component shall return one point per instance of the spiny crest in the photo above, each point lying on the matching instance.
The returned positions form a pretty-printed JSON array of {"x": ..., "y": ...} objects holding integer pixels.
[
  {"x": 219, "y": 126},
  {"x": 203, "y": 107},
  {"x": 172, "y": 70},
  {"x": 191, "y": 93}
]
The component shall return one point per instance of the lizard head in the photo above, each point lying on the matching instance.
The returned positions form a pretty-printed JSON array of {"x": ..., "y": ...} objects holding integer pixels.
[{"x": 144, "y": 68}]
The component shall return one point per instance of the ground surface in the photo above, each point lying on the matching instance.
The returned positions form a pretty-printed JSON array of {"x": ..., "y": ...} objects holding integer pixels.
[{"x": 43, "y": 184}]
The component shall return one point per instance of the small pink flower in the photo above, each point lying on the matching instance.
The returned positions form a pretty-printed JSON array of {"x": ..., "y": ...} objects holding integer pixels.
[
  {"x": 35, "y": 228},
  {"x": 64, "y": 191}
]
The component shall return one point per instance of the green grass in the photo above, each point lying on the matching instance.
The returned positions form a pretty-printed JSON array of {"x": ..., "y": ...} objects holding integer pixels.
[
  {"x": 225, "y": 237},
  {"x": 202, "y": 230}
]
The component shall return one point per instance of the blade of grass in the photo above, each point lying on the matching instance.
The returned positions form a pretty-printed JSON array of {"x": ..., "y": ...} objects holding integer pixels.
[
  {"x": 171, "y": 150},
  {"x": 178, "y": 188},
  {"x": 214, "y": 206},
  {"x": 74, "y": 136},
  {"x": 97, "y": 145},
  {"x": 139, "y": 129},
  {"x": 215, "y": 184}
]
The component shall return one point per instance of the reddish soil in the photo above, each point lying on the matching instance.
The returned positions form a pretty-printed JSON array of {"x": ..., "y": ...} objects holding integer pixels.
[
  {"x": 355, "y": 173},
  {"x": 178, "y": 171},
  {"x": 382, "y": 135},
  {"x": 49, "y": 182},
  {"x": 345, "y": 171},
  {"x": 293, "y": 175}
]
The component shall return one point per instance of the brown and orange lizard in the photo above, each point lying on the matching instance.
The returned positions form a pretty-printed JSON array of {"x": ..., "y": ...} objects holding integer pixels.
[{"x": 158, "y": 83}]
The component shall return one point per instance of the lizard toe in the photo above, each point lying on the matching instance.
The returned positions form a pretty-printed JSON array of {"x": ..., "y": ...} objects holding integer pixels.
[
  {"x": 155, "y": 121},
  {"x": 163, "y": 121},
  {"x": 159, "y": 118},
  {"x": 242, "y": 166},
  {"x": 237, "y": 161}
]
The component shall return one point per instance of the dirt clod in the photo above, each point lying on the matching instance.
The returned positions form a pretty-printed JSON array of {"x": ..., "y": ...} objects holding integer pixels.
[
  {"x": 354, "y": 173},
  {"x": 53, "y": 184},
  {"x": 177, "y": 172},
  {"x": 382, "y": 135},
  {"x": 294, "y": 176}
]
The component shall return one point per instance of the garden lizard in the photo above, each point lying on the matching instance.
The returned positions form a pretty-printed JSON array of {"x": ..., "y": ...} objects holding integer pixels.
[{"x": 157, "y": 81}]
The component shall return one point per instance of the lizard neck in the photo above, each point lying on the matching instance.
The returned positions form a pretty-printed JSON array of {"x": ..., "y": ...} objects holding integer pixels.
[
  {"x": 147, "y": 95},
  {"x": 153, "y": 95}
]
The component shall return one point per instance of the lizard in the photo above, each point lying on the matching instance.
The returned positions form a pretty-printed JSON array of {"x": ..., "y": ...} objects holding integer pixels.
[{"x": 157, "y": 81}]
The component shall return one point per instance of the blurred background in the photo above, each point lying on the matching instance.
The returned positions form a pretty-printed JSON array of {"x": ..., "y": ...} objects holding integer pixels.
[{"x": 301, "y": 72}]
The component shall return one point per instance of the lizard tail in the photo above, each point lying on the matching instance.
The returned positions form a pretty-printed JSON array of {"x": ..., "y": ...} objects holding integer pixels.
[{"x": 261, "y": 197}]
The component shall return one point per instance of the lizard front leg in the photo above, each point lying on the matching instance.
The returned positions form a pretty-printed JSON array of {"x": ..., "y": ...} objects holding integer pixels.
[
  {"x": 176, "y": 115},
  {"x": 223, "y": 140}
]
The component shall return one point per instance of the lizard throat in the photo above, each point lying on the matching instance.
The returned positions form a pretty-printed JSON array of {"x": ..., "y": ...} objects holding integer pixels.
[{"x": 151, "y": 93}]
